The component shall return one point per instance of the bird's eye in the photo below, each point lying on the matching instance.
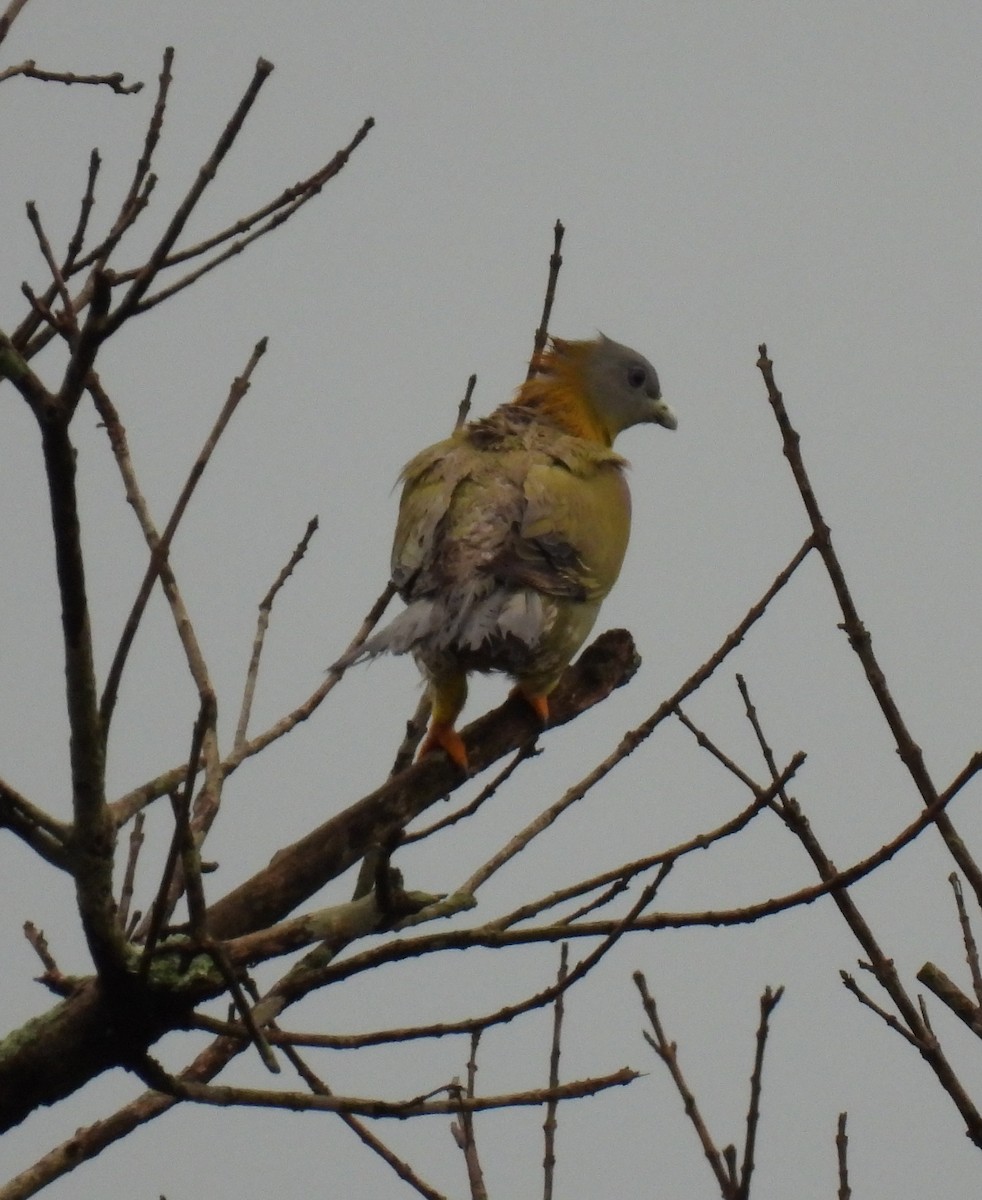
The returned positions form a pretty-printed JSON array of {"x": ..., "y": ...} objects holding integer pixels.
[{"x": 636, "y": 376}]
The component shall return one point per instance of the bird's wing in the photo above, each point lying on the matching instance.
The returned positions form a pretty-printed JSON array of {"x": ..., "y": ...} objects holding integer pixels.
[
  {"x": 574, "y": 528},
  {"x": 513, "y": 502},
  {"x": 428, "y": 483}
]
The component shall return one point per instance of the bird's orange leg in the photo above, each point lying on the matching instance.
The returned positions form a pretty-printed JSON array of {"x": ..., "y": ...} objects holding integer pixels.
[
  {"x": 537, "y": 701},
  {"x": 447, "y": 696}
]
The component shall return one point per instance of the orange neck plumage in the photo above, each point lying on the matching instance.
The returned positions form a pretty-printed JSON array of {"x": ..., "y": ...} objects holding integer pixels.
[{"x": 558, "y": 391}]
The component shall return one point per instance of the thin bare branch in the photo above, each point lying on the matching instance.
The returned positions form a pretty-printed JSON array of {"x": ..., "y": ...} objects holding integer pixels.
[
  {"x": 555, "y": 262},
  {"x": 462, "y": 1129},
  {"x": 13, "y": 366},
  {"x": 633, "y": 738},
  {"x": 216, "y": 951},
  {"x": 841, "y": 1154},
  {"x": 668, "y": 1052},
  {"x": 859, "y": 637},
  {"x": 968, "y": 938},
  {"x": 148, "y": 272},
  {"x": 549, "y": 1126},
  {"x": 262, "y": 624},
  {"x": 40, "y": 945},
  {"x": 86, "y": 345},
  {"x": 41, "y": 832},
  {"x": 9, "y": 15},
  {"x": 163, "y": 784},
  {"x": 135, "y": 199},
  {"x": 888, "y": 1018},
  {"x": 415, "y": 729},
  {"x": 30, "y": 70},
  {"x": 610, "y": 933},
  {"x": 523, "y": 754},
  {"x": 159, "y": 544},
  {"x": 398, "y": 1109},
  {"x": 768, "y": 1002},
  {"x": 362, "y": 1132},
  {"x": 704, "y": 741},
  {"x": 288, "y": 203},
  {"x": 950, "y": 994},
  {"x": 57, "y": 278},
  {"x": 129, "y": 875},
  {"x": 77, "y": 240},
  {"x": 464, "y": 408}
]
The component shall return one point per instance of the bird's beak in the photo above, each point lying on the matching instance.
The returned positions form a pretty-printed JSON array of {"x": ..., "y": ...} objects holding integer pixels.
[{"x": 661, "y": 414}]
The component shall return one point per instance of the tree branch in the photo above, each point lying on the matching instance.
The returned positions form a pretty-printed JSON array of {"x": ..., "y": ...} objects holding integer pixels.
[
  {"x": 30, "y": 70},
  {"x": 303, "y": 868},
  {"x": 859, "y": 637},
  {"x": 148, "y": 272}
]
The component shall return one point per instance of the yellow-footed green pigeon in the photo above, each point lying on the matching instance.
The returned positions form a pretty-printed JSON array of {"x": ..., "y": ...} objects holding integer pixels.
[{"x": 512, "y": 531}]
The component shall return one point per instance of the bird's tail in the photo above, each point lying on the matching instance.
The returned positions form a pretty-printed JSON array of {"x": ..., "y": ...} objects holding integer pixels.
[
  {"x": 401, "y": 635},
  {"x": 456, "y": 623}
]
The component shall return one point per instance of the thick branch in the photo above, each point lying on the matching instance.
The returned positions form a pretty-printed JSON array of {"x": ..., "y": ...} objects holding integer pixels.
[
  {"x": 93, "y": 834},
  {"x": 300, "y": 870}
]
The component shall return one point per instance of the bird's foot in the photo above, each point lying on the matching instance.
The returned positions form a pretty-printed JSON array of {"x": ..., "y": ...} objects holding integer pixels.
[
  {"x": 538, "y": 704},
  {"x": 441, "y": 735}
]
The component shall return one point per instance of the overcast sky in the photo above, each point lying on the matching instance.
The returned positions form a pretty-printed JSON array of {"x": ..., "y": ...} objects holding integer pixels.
[{"x": 807, "y": 175}]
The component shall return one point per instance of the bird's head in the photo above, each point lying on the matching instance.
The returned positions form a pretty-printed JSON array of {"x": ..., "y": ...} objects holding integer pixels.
[{"x": 595, "y": 389}]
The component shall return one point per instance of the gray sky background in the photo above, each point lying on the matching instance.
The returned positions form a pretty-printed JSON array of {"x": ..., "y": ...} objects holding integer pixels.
[{"x": 802, "y": 174}]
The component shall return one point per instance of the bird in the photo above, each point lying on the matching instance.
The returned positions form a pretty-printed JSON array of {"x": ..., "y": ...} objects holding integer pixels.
[{"x": 512, "y": 531}]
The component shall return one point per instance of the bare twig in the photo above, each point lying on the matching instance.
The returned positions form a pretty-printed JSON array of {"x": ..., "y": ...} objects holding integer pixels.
[
  {"x": 859, "y": 637},
  {"x": 464, "y": 407},
  {"x": 704, "y": 741},
  {"x": 40, "y": 944},
  {"x": 165, "y": 900},
  {"x": 30, "y": 70},
  {"x": 971, "y": 948},
  {"x": 135, "y": 198},
  {"x": 287, "y": 204},
  {"x": 290, "y": 199},
  {"x": 86, "y": 345},
  {"x": 13, "y": 366},
  {"x": 768, "y": 1002},
  {"x": 610, "y": 933},
  {"x": 415, "y": 729},
  {"x": 57, "y": 278},
  {"x": 32, "y": 825},
  {"x": 668, "y": 1052},
  {"x": 77, "y": 240},
  {"x": 399, "y": 1109},
  {"x": 550, "y": 1123},
  {"x": 216, "y": 951},
  {"x": 9, "y": 15},
  {"x": 129, "y": 875},
  {"x": 262, "y": 624},
  {"x": 159, "y": 544},
  {"x": 163, "y": 784},
  {"x": 555, "y": 262},
  {"x": 950, "y": 994},
  {"x": 841, "y": 1154},
  {"x": 887, "y": 1017},
  {"x": 361, "y": 1130},
  {"x": 462, "y": 1129},
  {"x": 148, "y": 272},
  {"x": 523, "y": 754}
]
